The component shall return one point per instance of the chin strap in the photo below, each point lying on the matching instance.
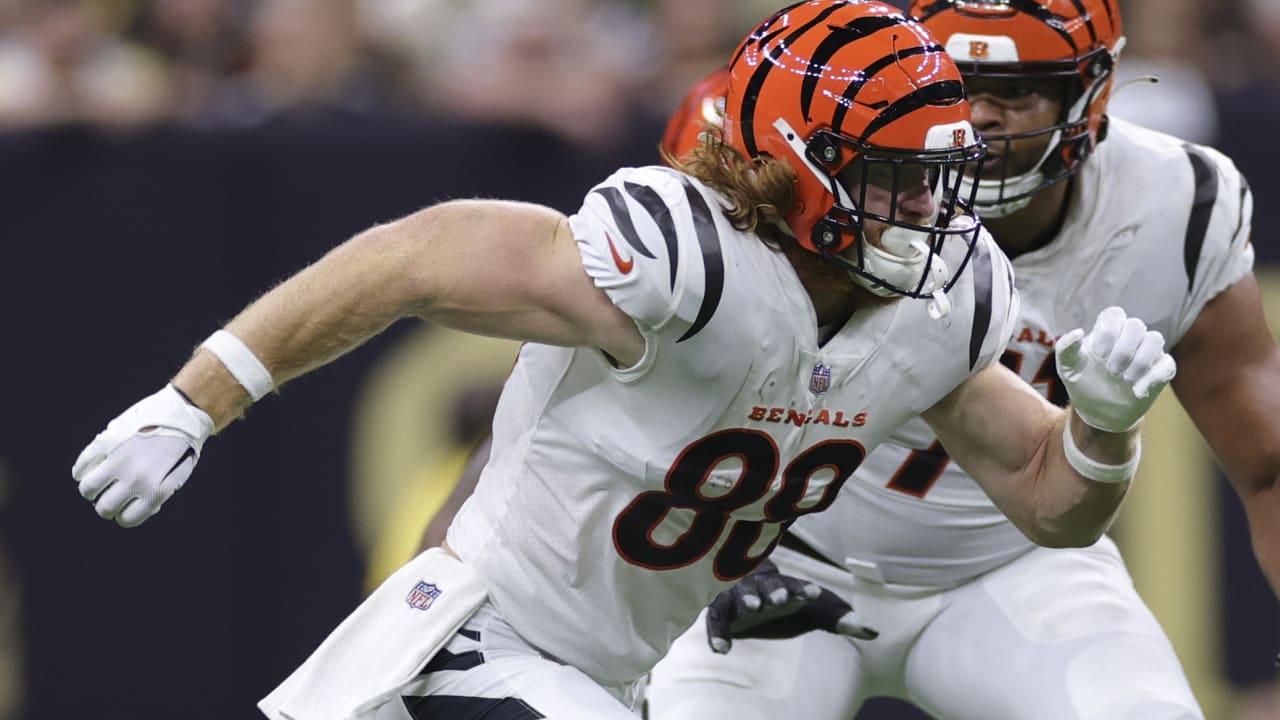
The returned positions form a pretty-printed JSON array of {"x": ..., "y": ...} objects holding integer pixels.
[{"x": 900, "y": 260}]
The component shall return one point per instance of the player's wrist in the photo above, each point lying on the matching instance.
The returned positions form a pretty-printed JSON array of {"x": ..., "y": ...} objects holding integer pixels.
[
  {"x": 1101, "y": 470},
  {"x": 206, "y": 384},
  {"x": 243, "y": 364}
]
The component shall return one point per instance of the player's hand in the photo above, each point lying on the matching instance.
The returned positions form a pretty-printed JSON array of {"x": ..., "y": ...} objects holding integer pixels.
[
  {"x": 143, "y": 457},
  {"x": 767, "y": 604},
  {"x": 1113, "y": 373}
]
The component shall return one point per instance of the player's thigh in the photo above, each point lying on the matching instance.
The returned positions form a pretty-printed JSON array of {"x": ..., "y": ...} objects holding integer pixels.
[
  {"x": 816, "y": 676},
  {"x": 488, "y": 672},
  {"x": 1055, "y": 635}
]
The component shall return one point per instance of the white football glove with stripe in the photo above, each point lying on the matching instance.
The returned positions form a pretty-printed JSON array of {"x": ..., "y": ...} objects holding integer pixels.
[
  {"x": 1115, "y": 372},
  {"x": 143, "y": 457}
]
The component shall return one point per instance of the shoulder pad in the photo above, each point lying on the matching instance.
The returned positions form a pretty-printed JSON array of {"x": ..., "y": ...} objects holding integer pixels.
[{"x": 650, "y": 238}]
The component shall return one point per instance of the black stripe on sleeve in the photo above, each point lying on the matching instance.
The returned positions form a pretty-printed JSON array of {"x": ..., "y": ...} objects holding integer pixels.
[
  {"x": 1244, "y": 207},
  {"x": 982, "y": 292},
  {"x": 704, "y": 224},
  {"x": 661, "y": 214},
  {"x": 1206, "y": 194},
  {"x": 622, "y": 216}
]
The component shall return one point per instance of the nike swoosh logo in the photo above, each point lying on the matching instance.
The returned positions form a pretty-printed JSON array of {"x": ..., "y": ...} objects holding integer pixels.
[
  {"x": 190, "y": 453},
  {"x": 624, "y": 266}
]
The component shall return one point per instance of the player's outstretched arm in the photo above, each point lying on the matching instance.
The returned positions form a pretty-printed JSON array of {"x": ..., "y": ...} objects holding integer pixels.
[
  {"x": 1060, "y": 475},
  {"x": 497, "y": 268},
  {"x": 1230, "y": 386}
]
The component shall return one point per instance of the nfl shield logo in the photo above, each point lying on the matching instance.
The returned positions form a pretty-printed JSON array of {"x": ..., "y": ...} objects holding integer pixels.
[
  {"x": 422, "y": 595},
  {"x": 820, "y": 380}
]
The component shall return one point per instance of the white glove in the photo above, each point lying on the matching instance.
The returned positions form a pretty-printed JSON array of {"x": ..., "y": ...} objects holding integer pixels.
[
  {"x": 143, "y": 457},
  {"x": 1115, "y": 372}
]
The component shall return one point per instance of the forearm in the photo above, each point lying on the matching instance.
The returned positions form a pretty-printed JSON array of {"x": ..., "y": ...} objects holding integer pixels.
[
  {"x": 1069, "y": 509},
  {"x": 349, "y": 295}
]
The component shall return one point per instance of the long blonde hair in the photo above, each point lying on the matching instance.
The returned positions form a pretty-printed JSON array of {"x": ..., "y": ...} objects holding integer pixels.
[{"x": 760, "y": 191}]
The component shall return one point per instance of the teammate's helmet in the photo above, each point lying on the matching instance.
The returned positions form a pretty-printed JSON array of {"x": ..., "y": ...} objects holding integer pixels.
[
  {"x": 1076, "y": 40},
  {"x": 853, "y": 93},
  {"x": 701, "y": 111}
]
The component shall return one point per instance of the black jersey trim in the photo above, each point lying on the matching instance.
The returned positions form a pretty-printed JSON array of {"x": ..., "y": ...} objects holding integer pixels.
[
  {"x": 622, "y": 217},
  {"x": 983, "y": 289},
  {"x": 1245, "y": 192},
  {"x": 704, "y": 224},
  {"x": 1206, "y": 195},
  {"x": 661, "y": 214}
]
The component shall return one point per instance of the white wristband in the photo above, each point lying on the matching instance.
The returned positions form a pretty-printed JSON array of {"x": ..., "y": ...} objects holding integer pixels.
[
  {"x": 1094, "y": 470},
  {"x": 240, "y": 361}
]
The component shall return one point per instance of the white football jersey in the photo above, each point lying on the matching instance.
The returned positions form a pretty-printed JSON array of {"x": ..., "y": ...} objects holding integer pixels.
[
  {"x": 1157, "y": 226},
  {"x": 618, "y": 502}
]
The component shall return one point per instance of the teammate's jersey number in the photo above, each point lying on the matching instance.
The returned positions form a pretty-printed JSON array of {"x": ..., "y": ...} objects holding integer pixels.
[
  {"x": 922, "y": 468},
  {"x": 690, "y": 487}
]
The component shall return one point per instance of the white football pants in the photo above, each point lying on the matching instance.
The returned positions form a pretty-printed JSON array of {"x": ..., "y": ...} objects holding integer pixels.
[{"x": 1053, "y": 635}]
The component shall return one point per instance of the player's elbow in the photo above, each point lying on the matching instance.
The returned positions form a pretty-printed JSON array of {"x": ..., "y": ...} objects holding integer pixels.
[
  {"x": 1078, "y": 527},
  {"x": 1059, "y": 537}
]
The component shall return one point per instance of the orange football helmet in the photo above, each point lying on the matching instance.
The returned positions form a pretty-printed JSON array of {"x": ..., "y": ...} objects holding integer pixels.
[
  {"x": 853, "y": 93},
  {"x": 1078, "y": 40},
  {"x": 701, "y": 111}
]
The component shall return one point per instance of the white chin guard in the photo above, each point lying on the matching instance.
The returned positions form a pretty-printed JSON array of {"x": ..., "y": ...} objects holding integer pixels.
[
  {"x": 987, "y": 200},
  {"x": 900, "y": 261}
]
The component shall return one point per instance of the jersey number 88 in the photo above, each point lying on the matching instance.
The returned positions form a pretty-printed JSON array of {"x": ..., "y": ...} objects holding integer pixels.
[{"x": 688, "y": 487}]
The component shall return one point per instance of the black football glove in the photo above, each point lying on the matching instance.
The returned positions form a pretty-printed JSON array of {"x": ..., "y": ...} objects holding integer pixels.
[{"x": 769, "y": 605}]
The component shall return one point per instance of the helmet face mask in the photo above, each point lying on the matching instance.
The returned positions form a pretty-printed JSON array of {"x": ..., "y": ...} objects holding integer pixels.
[
  {"x": 1072, "y": 42},
  {"x": 864, "y": 105},
  {"x": 919, "y": 194}
]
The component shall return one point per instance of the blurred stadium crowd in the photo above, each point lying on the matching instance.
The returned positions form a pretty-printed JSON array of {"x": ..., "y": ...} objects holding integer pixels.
[
  {"x": 576, "y": 67},
  {"x": 573, "y": 66}
]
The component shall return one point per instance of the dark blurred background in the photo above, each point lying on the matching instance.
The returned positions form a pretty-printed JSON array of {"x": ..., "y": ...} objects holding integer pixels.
[{"x": 163, "y": 162}]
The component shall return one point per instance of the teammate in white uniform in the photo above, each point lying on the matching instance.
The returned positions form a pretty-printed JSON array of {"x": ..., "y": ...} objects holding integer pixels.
[
  {"x": 696, "y": 378},
  {"x": 977, "y": 623}
]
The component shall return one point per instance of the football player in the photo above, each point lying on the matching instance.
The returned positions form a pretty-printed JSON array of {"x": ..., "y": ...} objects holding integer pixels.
[
  {"x": 711, "y": 352},
  {"x": 976, "y": 621}
]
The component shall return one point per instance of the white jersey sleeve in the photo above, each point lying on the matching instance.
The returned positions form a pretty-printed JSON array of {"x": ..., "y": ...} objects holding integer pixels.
[
  {"x": 639, "y": 233},
  {"x": 1217, "y": 249}
]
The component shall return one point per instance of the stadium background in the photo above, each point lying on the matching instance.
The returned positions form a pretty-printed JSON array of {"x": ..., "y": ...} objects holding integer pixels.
[{"x": 161, "y": 162}]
